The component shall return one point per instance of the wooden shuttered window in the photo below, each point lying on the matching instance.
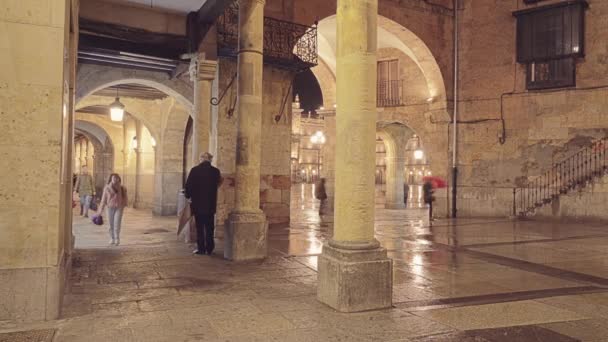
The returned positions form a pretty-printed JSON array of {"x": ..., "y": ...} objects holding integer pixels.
[{"x": 389, "y": 84}]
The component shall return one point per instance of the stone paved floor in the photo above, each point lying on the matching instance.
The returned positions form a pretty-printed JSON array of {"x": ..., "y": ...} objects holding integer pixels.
[{"x": 467, "y": 280}]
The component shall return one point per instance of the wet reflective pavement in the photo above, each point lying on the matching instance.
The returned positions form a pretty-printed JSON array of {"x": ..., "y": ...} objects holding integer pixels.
[{"x": 465, "y": 280}]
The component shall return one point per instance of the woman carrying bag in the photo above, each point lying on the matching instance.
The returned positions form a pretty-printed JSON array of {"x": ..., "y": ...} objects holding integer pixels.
[{"x": 115, "y": 198}]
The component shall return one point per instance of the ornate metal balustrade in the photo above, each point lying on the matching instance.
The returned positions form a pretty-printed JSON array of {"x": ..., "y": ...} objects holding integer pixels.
[
  {"x": 573, "y": 173},
  {"x": 286, "y": 44}
]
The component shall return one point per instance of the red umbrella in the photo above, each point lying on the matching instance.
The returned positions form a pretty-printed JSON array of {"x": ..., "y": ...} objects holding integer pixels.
[{"x": 435, "y": 181}]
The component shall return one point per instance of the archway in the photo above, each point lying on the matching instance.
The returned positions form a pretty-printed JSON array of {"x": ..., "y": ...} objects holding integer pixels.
[
  {"x": 422, "y": 101},
  {"x": 103, "y": 152},
  {"x": 392, "y": 35},
  {"x": 165, "y": 118},
  {"x": 394, "y": 137}
]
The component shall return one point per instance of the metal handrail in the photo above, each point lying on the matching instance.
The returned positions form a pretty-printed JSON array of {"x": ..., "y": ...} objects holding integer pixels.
[{"x": 575, "y": 171}]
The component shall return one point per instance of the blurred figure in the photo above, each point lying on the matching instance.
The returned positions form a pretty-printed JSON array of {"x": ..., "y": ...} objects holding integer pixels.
[
  {"x": 321, "y": 195},
  {"x": 428, "y": 192},
  {"x": 85, "y": 189},
  {"x": 406, "y": 193}
]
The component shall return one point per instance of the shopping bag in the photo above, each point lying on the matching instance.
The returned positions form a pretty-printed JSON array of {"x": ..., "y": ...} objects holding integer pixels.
[
  {"x": 97, "y": 219},
  {"x": 184, "y": 218}
]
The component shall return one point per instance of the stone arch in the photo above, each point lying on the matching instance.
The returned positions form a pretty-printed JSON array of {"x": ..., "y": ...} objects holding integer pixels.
[
  {"x": 394, "y": 136},
  {"x": 394, "y": 35},
  {"x": 104, "y": 150},
  {"x": 92, "y": 78},
  {"x": 132, "y": 109},
  {"x": 327, "y": 81}
]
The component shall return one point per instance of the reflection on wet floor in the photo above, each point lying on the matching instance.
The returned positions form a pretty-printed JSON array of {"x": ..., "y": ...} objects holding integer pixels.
[
  {"x": 457, "y": 280},
  {"x": 464, "y": 257}
]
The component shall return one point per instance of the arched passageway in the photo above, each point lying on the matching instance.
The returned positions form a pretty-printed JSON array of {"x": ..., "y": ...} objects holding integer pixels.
[
  {"x": 146, "y": 144},
  {"x": 411, "y": 96},
  {"x": 93, "y": 147}
]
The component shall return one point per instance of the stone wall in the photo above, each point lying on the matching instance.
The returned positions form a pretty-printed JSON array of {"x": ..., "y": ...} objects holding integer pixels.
[
  {"x": 275, "y": 164},
  {"x": 541, "y": 127},
  {"x": 36, "y": 121}
]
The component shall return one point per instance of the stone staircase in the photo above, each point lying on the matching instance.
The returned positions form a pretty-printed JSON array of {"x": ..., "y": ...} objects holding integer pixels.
[{"x": 574, "y": 173}]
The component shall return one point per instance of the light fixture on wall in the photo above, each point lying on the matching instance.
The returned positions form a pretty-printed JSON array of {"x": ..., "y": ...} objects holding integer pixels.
[
  {"x": 153, "y": 142},
  {"x": 117, "y": 109},
  {"x": 134, "y": 143}
]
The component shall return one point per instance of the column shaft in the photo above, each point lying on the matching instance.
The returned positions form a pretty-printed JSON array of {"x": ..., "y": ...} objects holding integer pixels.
[
  {"x": 356, "y": 120},
  {"x": 202, "y": 77},
  {"x": 246, "y": 231},
  {"x": 249, "y": 105},
  {"x": 354, "y": 272},
  {"x": 394, "y": 182},
  {"x": 138, "y": 162}
]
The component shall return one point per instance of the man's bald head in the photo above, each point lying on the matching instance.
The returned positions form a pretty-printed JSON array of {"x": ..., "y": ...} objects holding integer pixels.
[{"x": 206, "y": 156}]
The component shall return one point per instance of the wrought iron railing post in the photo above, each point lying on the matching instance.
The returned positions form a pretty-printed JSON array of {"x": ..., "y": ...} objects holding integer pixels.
[{"x": 514, "y": 205}]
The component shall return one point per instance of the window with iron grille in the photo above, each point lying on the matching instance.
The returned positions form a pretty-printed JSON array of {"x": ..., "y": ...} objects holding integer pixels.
[
  {"x": 549, "y": 39},
  {"x": 389, "y": 85}
]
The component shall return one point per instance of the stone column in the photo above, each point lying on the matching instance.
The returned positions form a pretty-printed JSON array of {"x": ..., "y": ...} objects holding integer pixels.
[
  {"x": 202, "y": 74},
  {"x": 82, "y": 155},
  {"x": 34, "y": 261},
  {"x": 329, "y": 165},
  {"x": 395, "y": 161},
  {"x": 246, "y": 229},
  {"x": 355, "y": 273},
  {"x": 138, "y": 162}
]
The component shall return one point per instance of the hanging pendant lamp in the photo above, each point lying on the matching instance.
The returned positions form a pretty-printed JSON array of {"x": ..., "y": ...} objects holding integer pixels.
[{"x": 117, "y": 109}]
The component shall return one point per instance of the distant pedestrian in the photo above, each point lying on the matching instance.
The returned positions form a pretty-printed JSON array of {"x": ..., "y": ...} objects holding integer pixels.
[
  {"x": 321, "y": 195},
  {"x": 201, "y": 188},
  {"x": 406, "y": 193},
  {"x": 115, "y": 198},
  {"x": 85, "y": 189},
  {"x": 428, "y": 192}
]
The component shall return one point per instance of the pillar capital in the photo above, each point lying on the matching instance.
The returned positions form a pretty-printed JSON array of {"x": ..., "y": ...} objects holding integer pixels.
[
  {"x": 202, "y": 69},
  {"x": 206, "y": 70}
]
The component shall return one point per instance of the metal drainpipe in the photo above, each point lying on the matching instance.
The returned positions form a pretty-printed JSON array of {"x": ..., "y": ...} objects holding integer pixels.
[{"x": 455, "y": 116}]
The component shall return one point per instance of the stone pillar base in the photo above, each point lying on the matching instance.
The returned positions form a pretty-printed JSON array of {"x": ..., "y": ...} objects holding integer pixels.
[
  {"x": 394, "y": 205},
  {"x": 246, "y": 236},
  {"x": 355, "y": 280}
]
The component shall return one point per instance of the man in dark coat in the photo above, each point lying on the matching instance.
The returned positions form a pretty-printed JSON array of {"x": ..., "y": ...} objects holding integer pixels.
[{"x": 201, "y": 188}]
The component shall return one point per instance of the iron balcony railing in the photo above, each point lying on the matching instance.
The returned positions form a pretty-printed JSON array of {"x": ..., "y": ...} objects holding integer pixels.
[
  {"x": 390, "y": 93},
  {"x": 574, "y": 172},
  {"x": 286, "y": 44}
]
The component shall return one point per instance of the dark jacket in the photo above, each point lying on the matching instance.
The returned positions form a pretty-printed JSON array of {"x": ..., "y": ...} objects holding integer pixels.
[
  {"x": 427, "y": 190},
  {"x": 201, "y": 188}
]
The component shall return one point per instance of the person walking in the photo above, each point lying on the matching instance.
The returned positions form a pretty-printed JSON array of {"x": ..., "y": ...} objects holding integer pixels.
[
  {"x": 115, "y": 198},
  {"x": 321, "y": 195},
  {"x": 428, "y": 192},
  {"x": 201, "y": 188},
  {"x": 85, "y": 189},
  {"x": 406, "y": 193}
]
